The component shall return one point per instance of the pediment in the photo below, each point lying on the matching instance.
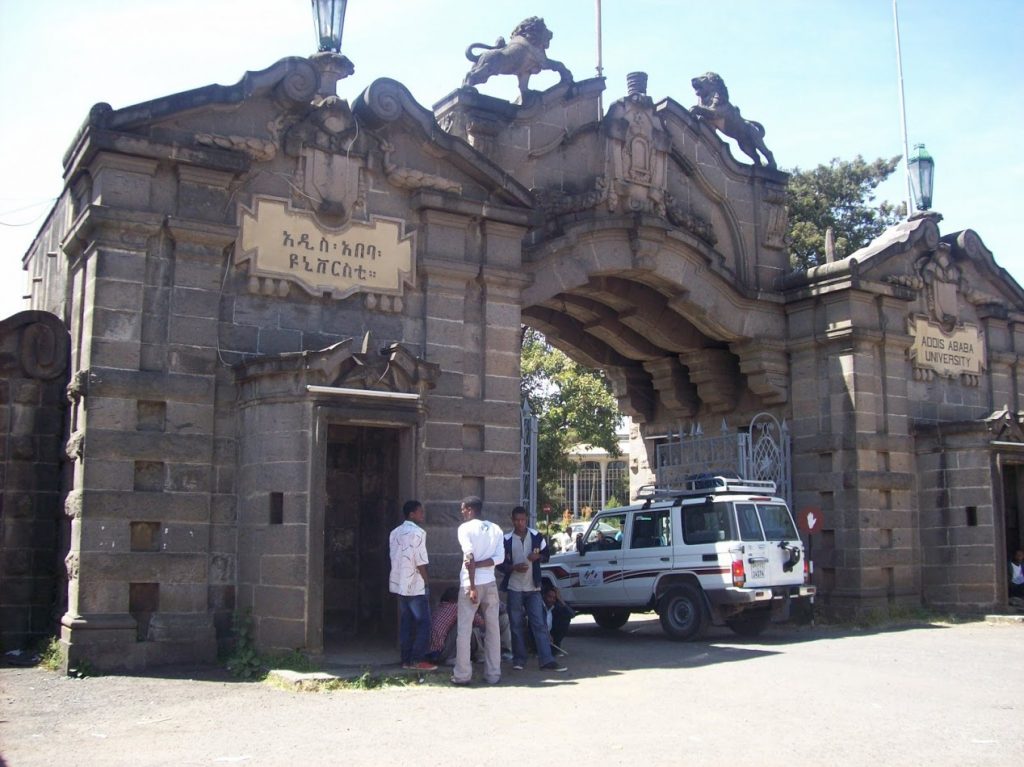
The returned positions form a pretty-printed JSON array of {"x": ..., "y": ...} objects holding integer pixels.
[
  {"x": 347, "y": 365},
  {"x": 326, "y": 153}
]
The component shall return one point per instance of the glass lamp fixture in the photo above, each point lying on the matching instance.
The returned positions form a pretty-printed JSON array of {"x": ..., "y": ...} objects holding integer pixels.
[
  {"x": 922, "y": 176},
  {"x": 329, "y": 18}
]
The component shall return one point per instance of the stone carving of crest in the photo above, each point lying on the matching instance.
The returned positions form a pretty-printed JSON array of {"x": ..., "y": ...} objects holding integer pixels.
[
  {"x": 637, "y": 153},
  {"x": 942, "y": 280}
]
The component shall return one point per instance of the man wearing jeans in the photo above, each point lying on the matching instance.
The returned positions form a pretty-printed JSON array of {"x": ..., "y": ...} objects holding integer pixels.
[
  {"x": 525, "y": 549},
  {"x": 408, "y": 543},
  {"x": 480, "y": 542}
]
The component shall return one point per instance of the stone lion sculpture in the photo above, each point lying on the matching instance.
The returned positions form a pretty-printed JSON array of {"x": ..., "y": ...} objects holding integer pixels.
[
  {"x": 523, "y": 56},
  {"x": 716, "y": 109}
]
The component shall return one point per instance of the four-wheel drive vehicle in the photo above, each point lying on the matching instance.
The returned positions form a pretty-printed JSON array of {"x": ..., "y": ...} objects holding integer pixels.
[{"x": 717, "y": 550}]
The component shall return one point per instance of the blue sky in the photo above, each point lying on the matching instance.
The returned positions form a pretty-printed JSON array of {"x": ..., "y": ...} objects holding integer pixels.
[{"x": 819, "y": 74}]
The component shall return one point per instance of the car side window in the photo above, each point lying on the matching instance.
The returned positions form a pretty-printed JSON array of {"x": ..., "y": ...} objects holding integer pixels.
[
  {"x": 606, "y": 533},
  {"x": 778, "y": 525},
  {"x": 706, "y": 523},
  {"x": 651, "y": 529},
  {"x": 750, "y": 526}
]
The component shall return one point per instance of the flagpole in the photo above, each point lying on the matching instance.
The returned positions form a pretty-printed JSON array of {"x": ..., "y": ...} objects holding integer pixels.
[
  {"x": 903, "y": 109},
  {"x": 600, "y": 67}
]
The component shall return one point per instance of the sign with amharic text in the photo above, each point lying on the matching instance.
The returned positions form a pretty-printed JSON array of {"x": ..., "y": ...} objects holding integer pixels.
[
  {"x": 949, "y": 354},
  {"x": 284, "y": 243}
]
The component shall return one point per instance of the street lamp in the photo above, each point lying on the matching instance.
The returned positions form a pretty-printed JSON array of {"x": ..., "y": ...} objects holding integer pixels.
[
  {"x": 329, "y": 18},
  {"x": 922, "y": 176}
]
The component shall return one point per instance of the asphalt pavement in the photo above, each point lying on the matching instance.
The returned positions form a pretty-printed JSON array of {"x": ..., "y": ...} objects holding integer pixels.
[{"x": 901, "y": 695}]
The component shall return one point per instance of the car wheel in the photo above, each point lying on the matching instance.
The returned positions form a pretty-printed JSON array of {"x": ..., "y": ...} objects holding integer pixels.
[
  {"x": 750, "y": 623},
  {"x": 611, "y": 617},
  {"x": 684, "y": 616}
]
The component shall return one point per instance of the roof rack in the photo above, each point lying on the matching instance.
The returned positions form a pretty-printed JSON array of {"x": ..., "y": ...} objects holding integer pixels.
[{"x": 706, "y": 484}]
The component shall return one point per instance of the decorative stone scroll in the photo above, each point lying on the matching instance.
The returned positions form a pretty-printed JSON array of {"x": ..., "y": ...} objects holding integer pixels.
[{"x": 281, "y": 243}]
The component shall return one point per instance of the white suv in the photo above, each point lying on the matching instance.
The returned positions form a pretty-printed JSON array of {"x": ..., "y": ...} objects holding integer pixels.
[{"x": 717, "y": 550}]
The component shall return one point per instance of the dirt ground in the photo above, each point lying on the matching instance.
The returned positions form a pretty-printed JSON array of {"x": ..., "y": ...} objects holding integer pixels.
[{"x": 941, "y": 695}]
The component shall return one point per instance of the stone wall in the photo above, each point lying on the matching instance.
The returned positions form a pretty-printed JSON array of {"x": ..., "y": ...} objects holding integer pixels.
[{"x": 33, "y": 535}]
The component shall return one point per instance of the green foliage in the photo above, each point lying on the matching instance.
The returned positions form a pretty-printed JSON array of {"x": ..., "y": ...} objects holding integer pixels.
[
  {"x": 244, "y": 662},
  {"x": 573, "y": 404},
  {"x": 839, "y": 195},
  {"x": 51, "y": 656}
]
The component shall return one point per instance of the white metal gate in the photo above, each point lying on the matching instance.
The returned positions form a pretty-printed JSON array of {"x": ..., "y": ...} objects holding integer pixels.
[{"x": 760, "y": 452}]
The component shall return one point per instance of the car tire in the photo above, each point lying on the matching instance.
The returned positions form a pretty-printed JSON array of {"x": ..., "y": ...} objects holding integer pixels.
[
  {"x": 611, "y": 618},
  {"x": 750, "y": 623},
  {"x": 684, "y": 616}
]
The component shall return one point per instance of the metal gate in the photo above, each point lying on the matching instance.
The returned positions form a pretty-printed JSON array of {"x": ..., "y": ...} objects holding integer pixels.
[
  {"x": 528, "y": 468},
  {"x": 762, "y": 451}
]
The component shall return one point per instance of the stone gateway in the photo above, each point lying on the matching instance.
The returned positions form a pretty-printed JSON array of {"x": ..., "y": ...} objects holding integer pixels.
[{"x": 283, "y": 314}]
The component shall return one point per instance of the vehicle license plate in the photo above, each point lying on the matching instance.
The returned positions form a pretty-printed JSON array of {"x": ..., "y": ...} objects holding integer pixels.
[{"x": 757, "y": 569}]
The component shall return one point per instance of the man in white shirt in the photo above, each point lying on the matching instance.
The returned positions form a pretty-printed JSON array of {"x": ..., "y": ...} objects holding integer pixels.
[
  {"x": 482, "y": 549},
  {"x": 408, "y": 543},
  {"x": 1017, "y": 577}
]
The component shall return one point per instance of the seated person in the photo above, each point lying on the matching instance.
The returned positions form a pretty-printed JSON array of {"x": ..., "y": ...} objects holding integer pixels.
[
  {"x": 444, "y": 629},
  {"x": 559, "y": 614},
  {"x": 442, "y": 626}
]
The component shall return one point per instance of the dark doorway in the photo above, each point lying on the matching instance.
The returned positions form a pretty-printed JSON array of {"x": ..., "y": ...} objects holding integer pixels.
[
  {"x": 361, "y": 508},
  {"x": 1013, "y": 493}
]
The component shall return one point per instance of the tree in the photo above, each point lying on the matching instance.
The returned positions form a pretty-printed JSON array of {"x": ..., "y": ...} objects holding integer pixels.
[
  {"x": 838, "y": 195},
  {"x": 573, "y": 405}
]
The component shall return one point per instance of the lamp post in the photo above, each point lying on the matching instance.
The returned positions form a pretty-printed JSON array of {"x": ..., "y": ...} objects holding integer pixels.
[
  {"x": 922, "y": 177},
  {"x": 329, "y": 20}
]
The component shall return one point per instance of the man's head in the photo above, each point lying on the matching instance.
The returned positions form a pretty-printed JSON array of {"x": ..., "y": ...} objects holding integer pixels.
[
  {"x": 1018, "y": 556},
  {"x": 550, "y": 596},
  {"x": 413, "y": 510},
  {"x": 519, "y": 519},
  {"x": 471, "y": 507}
]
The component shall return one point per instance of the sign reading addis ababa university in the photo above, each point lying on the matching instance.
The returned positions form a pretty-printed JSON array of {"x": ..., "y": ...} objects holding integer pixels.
[
  {"x": 948, "y": 354},
  {"x": 283, "y": 243}
]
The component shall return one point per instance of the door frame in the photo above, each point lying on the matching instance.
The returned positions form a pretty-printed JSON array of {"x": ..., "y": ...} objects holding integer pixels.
[{"x": 403, "y": 416}]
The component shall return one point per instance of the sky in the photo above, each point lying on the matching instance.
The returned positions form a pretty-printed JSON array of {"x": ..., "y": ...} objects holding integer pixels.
[{"x": 820, "y": 75}]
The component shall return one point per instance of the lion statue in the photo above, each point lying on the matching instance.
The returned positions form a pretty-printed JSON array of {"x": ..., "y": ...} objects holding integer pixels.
[
  {"x": 717, "y": 111},
  {"x": 523, "y": 56}
]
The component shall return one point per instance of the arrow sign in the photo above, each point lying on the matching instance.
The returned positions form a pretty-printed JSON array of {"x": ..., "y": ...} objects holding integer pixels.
[{"x": 810, "y": 519}]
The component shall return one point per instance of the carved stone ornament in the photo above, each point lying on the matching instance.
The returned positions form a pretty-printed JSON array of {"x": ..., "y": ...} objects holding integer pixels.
[
  {"x": 412, "y": 179},
  {"x": 523, "y": 56},
  {"x": 717, "y": 111},
  {"x": 637, "y": 158},
  {"x": 258, "y": 149},
  {"x": 942, "y": 280},
  {"x": 1006, "y": 426},
  {"x": 388, "y": 367}
]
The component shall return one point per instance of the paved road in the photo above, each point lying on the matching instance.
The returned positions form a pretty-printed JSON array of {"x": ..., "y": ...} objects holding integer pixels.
[{"x": 931, "y": 696}]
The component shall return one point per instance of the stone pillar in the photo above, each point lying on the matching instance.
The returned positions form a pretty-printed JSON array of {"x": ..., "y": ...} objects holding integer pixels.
[{"x": 144, "y": 430}]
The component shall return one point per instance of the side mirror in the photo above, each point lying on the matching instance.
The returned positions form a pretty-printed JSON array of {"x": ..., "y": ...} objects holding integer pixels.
[{"x": 581, "y": 545}]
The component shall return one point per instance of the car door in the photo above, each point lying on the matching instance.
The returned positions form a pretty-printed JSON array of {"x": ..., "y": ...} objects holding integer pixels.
[
  {"x": 756, "y": 554},
  {"x": 598, "y": 570},
  {"x": 648, "y": 553}
]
